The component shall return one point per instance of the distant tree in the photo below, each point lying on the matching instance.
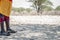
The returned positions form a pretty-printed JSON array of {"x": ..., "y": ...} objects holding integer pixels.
[
  {"x": 38, "y": 4},
  {"x": 28, "y": 9},
  {"x": 47, "y": 8},
  {"x": 18, "y": 9},
  {"x": 21, "y": 9},
  {"x": 15, "y": 9},
  {"x": 57, "y": 8}
]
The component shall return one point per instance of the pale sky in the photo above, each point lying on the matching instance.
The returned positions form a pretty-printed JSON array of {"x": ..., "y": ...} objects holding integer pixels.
[{"x": 25, "y": 4}]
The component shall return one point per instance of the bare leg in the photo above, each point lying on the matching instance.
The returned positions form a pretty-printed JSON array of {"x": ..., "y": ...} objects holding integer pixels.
[
  {"x": 3, "y": 32},
  {"x": 7, "y": 25},
  {"x": 8, "y": 28},
  {"x": 2, "y": 27},
  {"x": 2, "y": 22}
]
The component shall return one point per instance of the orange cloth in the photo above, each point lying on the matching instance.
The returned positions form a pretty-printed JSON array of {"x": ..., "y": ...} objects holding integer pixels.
[{"x": 5, "y": 7}]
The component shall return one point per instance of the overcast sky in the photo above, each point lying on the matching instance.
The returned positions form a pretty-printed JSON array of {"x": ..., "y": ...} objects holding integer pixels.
[{"x": 25, "y": 4}]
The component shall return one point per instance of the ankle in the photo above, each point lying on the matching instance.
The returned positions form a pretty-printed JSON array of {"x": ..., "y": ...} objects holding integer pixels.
[
  {"x": 2, "y": 31},
  {"x": 8, "y": 28}
]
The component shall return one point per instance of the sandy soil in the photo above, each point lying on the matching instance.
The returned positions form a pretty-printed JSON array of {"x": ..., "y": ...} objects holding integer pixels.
[
  {"x": 30, "y": 28},
  {"x": 43, "y": 19},
  {"x": 34, "y": 32}
]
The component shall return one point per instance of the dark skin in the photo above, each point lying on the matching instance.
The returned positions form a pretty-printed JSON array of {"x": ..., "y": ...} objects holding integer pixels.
[
  {"x": 8, "y": 28},
  {"x": 2, "y": 23},
  {"x": 3, "y": 32},
  {"x": 5, "y": 19},
  {"x": 7, "y": 24},
  {"x": 2, "y": 26}
]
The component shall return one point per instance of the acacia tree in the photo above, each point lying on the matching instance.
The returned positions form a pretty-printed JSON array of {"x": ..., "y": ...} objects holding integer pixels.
[
  {"x": 15, "y": 9},
  {"x": 38, "y": 4},
  {"x": 28, "y": 9},
  {"x": 18, "y": 9},
  {"x": 47, "y": 8},
  {"x": 57, "y": 8}
]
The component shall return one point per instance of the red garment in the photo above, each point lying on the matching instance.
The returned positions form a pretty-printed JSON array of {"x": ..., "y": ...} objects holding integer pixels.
[
  {"x": 5, "y": 18},
  {"x": 10, "y": 0},
  {"x": 1, "y": 19}
]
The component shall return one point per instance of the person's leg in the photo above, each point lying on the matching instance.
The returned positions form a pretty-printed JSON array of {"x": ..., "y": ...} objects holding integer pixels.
[
  {"x": 7, "y": 25},
  {"x": 3, "y": 32},
  {"x": 2, "y": 25}
]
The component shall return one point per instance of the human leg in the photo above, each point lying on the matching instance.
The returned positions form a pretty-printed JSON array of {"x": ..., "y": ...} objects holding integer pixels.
[
  {"x": 7, "y": 25},
  {"x": 3, "y": 32}
]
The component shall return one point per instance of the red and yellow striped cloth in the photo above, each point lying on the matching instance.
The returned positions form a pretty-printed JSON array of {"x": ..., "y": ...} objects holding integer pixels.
[{"x": 5, "y": 7}]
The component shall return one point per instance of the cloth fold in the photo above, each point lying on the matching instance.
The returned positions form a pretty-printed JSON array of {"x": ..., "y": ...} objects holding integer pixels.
[{"x": 5, "y": 7}]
